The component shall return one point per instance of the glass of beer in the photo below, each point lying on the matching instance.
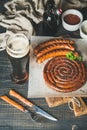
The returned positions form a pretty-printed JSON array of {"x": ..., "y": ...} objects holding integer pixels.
[{"x": 17, "y": 48}]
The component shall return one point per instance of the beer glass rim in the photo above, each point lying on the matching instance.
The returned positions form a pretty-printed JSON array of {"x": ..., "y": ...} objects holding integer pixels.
[{"x": 25, "y": 49}]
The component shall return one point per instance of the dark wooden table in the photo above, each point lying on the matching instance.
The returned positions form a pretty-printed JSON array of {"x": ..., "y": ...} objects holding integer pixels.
[{"x": 13, "y": 119}]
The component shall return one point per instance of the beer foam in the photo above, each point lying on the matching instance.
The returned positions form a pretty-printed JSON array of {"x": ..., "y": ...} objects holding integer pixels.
[{"x": 17, "y": 46}]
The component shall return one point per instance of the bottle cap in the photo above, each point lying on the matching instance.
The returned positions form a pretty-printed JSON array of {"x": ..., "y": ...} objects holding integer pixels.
[{"x": 59, "y": 11}]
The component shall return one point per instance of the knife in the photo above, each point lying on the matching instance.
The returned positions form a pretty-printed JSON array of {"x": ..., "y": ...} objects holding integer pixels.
[{"x": 37, "y": 109}]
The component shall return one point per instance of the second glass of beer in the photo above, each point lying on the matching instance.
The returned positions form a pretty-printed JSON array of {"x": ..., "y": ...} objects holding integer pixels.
[{"x": 17, "y": 49}]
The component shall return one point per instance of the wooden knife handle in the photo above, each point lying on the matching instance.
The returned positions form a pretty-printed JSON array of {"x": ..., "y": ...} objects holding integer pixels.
[
  {"x": 13, "y": 103},
  {"x": 21, "y": 98}
]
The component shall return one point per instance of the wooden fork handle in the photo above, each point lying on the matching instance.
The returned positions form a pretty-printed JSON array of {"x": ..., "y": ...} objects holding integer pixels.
[{"x": 13, "y": 103}]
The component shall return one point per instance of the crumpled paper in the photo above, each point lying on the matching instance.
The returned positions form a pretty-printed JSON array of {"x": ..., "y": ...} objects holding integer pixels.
[
  {"x": 14, "y": 19},
  {"x": 17, "y": 22}
]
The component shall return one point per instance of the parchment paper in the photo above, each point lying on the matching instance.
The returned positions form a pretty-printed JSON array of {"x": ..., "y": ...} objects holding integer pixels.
[{"x": 36, "y": 86}]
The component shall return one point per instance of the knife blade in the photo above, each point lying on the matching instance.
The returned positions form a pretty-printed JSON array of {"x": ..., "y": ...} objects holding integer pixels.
[
  {"x": 37, "y": 109},
  {"x": 43, "y": 113}
]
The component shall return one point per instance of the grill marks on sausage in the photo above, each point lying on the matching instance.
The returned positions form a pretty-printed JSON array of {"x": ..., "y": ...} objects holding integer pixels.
[
  {"x": 51, "y": 42},
  {"x": 64, "y": 75},
  {"x": 54, "y": 47},
  {"x": 50, "y": 54}
]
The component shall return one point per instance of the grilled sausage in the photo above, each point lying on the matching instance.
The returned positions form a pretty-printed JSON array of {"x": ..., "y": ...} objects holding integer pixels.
[
  {"x": 64, "y": 75},
  {"x": 54, "y": 47},
  {"x": 50, "y": 42},
  {"x": 61, "y": 52}
]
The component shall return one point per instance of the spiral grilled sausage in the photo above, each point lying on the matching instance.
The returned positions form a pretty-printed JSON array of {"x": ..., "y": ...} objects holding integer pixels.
[
  {"x": 50, "y": 42},
  {"x": 59, "y": 52},
  {"x": 64, "y": 75}
]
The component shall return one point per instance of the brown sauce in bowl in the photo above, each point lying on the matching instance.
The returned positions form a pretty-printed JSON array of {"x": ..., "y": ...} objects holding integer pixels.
[{"x": 72, "y": 19}]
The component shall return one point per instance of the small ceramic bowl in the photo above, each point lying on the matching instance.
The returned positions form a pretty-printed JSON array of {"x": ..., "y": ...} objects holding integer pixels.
[
  {"x": 71, "y": 19},
  {"x": 83, "y": 29}
]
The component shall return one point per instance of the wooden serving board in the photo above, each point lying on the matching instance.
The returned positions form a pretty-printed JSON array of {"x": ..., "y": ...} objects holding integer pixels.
[{"x": 36, "y": 86}]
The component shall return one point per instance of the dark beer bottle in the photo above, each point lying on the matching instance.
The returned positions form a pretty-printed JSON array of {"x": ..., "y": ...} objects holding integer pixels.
[
  {"x": 51, "y": 18},
  {"x": 51, "y": 22}
]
